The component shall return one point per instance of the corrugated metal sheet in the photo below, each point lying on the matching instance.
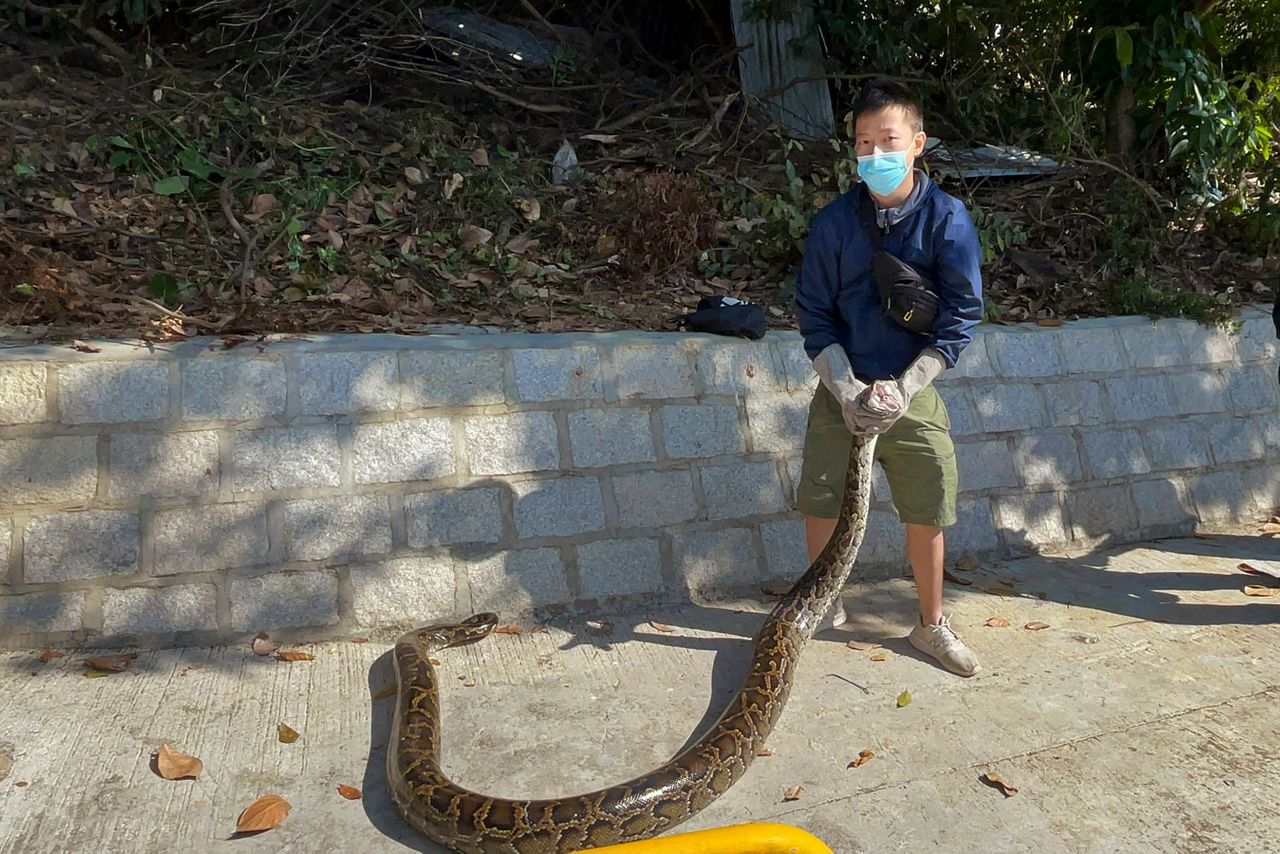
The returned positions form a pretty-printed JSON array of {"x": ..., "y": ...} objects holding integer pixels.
[{"x": 774, "y": 55}]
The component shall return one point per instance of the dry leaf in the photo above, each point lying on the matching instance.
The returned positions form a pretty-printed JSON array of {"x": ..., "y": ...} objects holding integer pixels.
[
  {"x": 997, "y": 782},
  {"x": 1036, "y": 626},
  {"x": 878, "y": 656},
  {"x": 1000, "y": 590},
  {"x": 263, "y": 204},
  {"x": 392, "y": 148},
  {"x": 776, "y": 588},
  {"x": 262, "y": 644},
  {"x": 1267, "y": 530},
  {"x": 793, "y": 793},
  {"x": 287, "y": 734},
  {"x": 173, "y": 765},
  {"x": 50, "y": 654},
  {"x": 507, "y": 630},
  {"x": 601, "y": 137},
  {"x": 997, "y": 623},
  {"x": 862, "y": 646},
  {"x": 529, "y": 208},
  {"x": 480, "y": 157},
  {"x": 947, "y": 575},
  {"x": 434, "y": 662},
  {"x": 473, "y": 235},
  {"x": 967, "y": 564},
  {"x": 599, "y": 627},
  {"x": 385, "y": 692},
  {"x": 452, "y": 184},
  {"x": 467, "y": 682},
  {"x": 85, "y": 348},
  {"x": 1262, "y": 567},
  {"x": 1049, "y": 321},
  {"x": 904, "y": 699},
  {"x": 863, "y": 758},
  {"x": 265, "y": 813},
  {"x": 110, "y": 663},
  {"x": 662, "y": 627},
  {"x": 359, "y": 640},
  {"x": 521, "y": 244},
  {"x": 1259, "y": 590},
  {"x": 351, "y": 793},
  {"x": 295, "y": 655},
  {"x": 413, "y": 175},
  {"x": 766, "y": 751}
]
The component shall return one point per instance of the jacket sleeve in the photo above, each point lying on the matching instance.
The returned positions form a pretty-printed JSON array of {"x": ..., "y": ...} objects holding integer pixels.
[
  {"x": 817, "y": 287},
  {"x": 958, "y": 257}
]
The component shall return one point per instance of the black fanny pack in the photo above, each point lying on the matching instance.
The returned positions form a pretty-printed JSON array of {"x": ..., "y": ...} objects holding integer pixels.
[{"x": 905, "y": 295}]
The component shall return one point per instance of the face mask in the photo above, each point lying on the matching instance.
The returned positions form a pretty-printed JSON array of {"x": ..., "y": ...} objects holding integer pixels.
[{"x": 883, "y": 173}]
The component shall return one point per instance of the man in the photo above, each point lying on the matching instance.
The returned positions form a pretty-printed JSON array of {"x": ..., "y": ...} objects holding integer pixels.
[{"x": 853, "y": 343}]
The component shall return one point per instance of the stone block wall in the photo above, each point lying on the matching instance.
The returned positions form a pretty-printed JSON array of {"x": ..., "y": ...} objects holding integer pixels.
[{"x": 190, "y": 492}]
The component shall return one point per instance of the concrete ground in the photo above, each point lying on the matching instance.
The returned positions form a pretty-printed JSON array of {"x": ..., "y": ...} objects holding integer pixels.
[{"x": 1146, "y": 717}]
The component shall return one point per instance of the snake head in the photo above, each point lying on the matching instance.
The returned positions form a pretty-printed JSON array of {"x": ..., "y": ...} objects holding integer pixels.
[{"x": 470, "y": 630}]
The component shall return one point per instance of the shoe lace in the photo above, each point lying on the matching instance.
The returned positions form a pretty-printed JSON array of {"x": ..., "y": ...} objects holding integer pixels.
[{"x": 946, "y": 636}]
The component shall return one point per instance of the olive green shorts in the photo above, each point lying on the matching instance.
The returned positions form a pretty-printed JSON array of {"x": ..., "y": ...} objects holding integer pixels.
[{"x": 916, "y": 453}]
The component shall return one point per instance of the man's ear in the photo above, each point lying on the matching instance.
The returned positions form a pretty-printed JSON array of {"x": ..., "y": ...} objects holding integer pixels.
[{"x": 917, "y": 147}]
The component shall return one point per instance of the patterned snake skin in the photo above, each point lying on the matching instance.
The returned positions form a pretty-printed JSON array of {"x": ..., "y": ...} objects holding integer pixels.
[{"x": 473, "y": 823}]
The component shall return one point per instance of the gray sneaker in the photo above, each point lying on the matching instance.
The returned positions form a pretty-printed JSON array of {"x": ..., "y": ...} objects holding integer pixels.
[
  {"x": 835, "y": 617},
  {"x": 944, "y": 644}
]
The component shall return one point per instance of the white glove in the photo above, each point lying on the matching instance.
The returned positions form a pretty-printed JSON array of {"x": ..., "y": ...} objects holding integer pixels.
[{"x": 887, "y": 400}]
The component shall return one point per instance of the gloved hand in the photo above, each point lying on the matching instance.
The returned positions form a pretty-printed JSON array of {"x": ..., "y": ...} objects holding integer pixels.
[
  {"x": 837, "y": 375},
  {"x": 886, "y": 400}
]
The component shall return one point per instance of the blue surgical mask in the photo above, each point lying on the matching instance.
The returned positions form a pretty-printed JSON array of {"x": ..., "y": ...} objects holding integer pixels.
[{"x": 883, "y": 172}]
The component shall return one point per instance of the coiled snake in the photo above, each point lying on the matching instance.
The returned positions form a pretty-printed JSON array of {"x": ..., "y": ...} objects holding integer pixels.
[{"x": 473, "y": 823}]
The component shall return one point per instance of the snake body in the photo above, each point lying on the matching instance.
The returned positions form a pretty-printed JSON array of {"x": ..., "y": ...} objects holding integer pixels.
[{"x": 473, "y": 823}]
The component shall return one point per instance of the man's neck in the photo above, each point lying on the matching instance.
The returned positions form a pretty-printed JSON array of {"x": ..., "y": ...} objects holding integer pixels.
[{"x": 898, "y": 196}]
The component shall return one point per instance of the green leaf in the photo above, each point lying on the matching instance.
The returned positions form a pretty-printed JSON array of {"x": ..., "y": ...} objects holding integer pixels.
[
  {"x": 27, "y": 290},
  {"x": 294, "y": 226},
  {"x": 120, "y": 142},
  {"x": 904, "y": 698},
  {"x": 118, "y": 159},
  {"x": 164, "y": 287},
  {"x": 197, "y": 164},
  {"x": 22, "y": 170},
  {"x": 1124, "y": 48},
  {"x": 93, "y": 144},
  {"x": 171, "y": 186}
]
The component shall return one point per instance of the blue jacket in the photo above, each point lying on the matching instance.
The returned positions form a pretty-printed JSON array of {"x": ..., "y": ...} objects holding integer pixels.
[{"x": 837, "y": 300}]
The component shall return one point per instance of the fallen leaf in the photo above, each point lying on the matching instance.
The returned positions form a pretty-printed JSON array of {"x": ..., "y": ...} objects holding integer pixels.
[
  {"x": 50, "y": 654},
  {"x": 359, "y": 640},
  {"x": 1036, "y": 626},
  {"x": 601, "y": 137},
  {"x": 507, "y": 630},
  {"x": 529, "y": 207},
  {"x": 793, "y": 793},
  {"x": 521, "y": 244},
  {"x": 776, "y": 588},
  {"x": 385, "y": 692},
  {"x": 295, "y": 655},
  {"x": 1049, "y": 321},
  {"x": 287, "y": 734},
  {"x": 967, "y": 564},
  {"x": 265, "y": 813},
  {"x": 262, "y": 204},
  {"x": 452, "y": 184},
  {"x": 766, "y": 751},
  {"x": 662, "y": 627},
  {"x": 94, "y": 674},
  {"x": 995, "y": 781},
  {"x": 878, "y": 656},
  {"x": 392, "y": 148},
  {"x": 997, "y": 623},
  {"x": 904, "y": 699},
  {"x": 173, "y": 765},
  {"x": 413, "y": 175},
  {"x": 863, "y": 758},
  {"x": 1259, "y": 590},
  {"x": 473, "y": 235},
  {"x": 262, "y": 644},
  {"x": 110, "y": 663},
  {"x": 955, "y": 579},
  {"x": 599, "y": 627},
  {"x": 1262, "y": 567},
  {"x": 351, "y": 793},
  {"x": 862, "y": 646},
  {"x": 85, "y": 348},
  {"x": 468, "y": 682},
  {"x": 480, "y": 157},
  {"x": 434, "y": 662},
  {"x": 1267, "y": 530}
]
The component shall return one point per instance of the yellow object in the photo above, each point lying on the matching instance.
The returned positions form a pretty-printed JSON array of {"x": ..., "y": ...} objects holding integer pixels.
[{"x": 753, "y": 838}]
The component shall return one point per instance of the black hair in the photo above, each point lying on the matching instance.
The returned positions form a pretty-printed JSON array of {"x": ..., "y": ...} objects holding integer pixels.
[{"x": 881, "y": 92}]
